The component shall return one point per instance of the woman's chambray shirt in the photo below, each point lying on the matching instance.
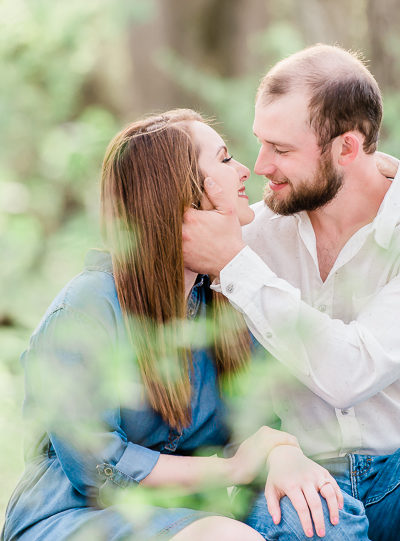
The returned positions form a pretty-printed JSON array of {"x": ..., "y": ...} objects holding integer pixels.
[{"x": 60, "y": 483}]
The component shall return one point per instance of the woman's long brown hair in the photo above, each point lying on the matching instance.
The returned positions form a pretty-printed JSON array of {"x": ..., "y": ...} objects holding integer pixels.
[{"x": 150, "y": 177}]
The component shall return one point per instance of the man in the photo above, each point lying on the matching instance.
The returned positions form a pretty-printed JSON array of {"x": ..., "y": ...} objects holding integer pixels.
[{"x": 317, "y": 273}]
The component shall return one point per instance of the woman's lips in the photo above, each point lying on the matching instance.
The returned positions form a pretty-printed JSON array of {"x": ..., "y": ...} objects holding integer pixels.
[
  {"x": 242, "y": 193},
  {"x": 277, "y": 186}
]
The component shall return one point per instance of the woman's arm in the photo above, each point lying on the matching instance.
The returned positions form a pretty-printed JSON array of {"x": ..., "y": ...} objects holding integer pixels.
[
  {"x": 290, "y": 474},
  {"x": 71, "y": 372},
  {"x": 73, "y": 391},
  {"x": 196, "y": 472}
]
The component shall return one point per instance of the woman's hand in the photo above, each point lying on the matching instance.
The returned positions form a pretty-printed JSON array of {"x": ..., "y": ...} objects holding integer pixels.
[
  {"x": 251, "y": 456},
  {"x": 294, "y": 475},
  {"x": 386, "y": 164}
]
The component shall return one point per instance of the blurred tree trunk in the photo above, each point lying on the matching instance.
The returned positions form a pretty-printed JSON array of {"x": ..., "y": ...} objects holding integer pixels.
[
  {"x": 211, "y": 35},
  {"x": 383, "y": 27},
  {"x": 327, "y": 21},
  {"x": 217, "y": 37}
]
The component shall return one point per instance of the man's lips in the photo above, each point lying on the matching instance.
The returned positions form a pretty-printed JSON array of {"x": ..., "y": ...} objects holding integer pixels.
[{"x": 276, "y": 186}]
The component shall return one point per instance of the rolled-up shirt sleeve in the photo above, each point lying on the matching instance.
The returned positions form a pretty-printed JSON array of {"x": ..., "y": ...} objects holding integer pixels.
[
  {"x": 343, "y": 363},
  {"x": 71, "y": 370}
]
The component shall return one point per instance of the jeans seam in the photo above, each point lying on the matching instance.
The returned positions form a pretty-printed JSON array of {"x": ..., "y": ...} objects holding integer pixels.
[
  {"x": 375, "y": 499},
  {"x": 353, "y": 477}
]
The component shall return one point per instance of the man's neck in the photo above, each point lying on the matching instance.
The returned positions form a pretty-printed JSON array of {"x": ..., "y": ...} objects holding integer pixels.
[{"x": 356, "y": 205}]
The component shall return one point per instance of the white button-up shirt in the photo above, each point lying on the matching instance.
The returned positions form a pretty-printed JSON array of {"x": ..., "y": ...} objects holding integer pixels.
[{"x": 339, "y": 340}]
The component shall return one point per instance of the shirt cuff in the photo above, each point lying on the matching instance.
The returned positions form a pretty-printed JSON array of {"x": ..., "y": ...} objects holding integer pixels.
[
  {"x": 134, "y": 465},
  {"x": 243, "y": 277}
]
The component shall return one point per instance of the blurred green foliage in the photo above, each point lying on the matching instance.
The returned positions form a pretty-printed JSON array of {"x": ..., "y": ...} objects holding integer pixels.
[{"x": 52, "y": 140}]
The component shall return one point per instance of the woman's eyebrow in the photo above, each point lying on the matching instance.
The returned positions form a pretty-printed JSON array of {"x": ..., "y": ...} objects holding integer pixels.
[{"x": 222, "y": 147}]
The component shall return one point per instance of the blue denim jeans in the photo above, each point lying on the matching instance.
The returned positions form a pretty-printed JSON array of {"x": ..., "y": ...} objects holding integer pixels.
[
  {"x": 374, "y": 481},
  {"x": 371, "y": 487}
]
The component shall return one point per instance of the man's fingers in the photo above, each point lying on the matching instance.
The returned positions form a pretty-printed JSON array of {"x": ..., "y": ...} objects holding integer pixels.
[
  {"x": 387, "y": 164},
  {"x": 299, "y": 503},
  {"x": 273, "y": 503},
  {"x": 328, "y": 492},
  {"x": 217, "y": 197},
  {"x": 314, "y": 503}
]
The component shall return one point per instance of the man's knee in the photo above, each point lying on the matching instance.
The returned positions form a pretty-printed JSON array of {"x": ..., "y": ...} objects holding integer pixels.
[{"x": 353, "y": 522}]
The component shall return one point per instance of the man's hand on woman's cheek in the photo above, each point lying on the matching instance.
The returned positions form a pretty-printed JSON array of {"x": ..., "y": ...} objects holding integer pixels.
[{"x": 211, "y": 238}]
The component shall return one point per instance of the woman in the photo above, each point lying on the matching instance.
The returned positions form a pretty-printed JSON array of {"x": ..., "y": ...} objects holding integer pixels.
[{"x": 123, "y": 373}]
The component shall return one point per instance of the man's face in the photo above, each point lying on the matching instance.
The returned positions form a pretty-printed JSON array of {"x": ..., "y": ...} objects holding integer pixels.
[{"x": 300, "y": 177}]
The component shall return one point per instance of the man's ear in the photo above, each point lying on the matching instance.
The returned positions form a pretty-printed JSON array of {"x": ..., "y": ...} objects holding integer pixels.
[{"x": 349, "y": 147}]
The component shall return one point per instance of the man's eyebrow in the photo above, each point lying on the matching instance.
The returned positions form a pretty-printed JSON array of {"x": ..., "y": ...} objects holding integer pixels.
[
  {"x": 222, "y": 147},
  {"x": 276, "y": 143}
]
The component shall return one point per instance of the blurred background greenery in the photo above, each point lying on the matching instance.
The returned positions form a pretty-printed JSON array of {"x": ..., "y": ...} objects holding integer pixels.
[{"x": 73, "y": 73}]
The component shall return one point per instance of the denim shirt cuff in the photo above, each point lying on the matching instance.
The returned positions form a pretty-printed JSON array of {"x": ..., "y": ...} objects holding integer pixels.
[{"x": 134, "y": 465}]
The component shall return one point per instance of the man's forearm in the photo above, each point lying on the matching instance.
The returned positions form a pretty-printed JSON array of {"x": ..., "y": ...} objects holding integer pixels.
[{"x": 298, "y": 334}]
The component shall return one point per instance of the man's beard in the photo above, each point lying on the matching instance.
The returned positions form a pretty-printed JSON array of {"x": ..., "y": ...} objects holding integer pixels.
[{"x": 324, "y": 187}]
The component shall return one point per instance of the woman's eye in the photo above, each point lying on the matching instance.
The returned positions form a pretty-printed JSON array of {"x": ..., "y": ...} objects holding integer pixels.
[{"x": 226, "y": 160}]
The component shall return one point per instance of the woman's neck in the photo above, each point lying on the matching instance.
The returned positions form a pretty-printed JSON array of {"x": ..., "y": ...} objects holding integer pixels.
[{"x": 190, "y": 278}]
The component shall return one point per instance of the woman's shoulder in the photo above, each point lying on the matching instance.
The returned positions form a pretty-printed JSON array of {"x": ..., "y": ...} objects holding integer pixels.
[{"x": 91, "y": 294}]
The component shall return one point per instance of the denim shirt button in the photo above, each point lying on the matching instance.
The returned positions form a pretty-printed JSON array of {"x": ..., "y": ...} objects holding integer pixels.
[
  {"x": 230, "y": 288},
  {"x": 108, "y": 472},
  {"x": 344, "y": 412}
]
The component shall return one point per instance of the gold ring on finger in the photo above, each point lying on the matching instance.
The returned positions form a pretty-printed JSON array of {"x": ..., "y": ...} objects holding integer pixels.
[{"x": 323, "y": 483}]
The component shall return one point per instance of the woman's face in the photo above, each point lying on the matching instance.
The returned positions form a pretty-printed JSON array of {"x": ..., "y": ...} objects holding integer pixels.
[{"x": 217, "y": 163}]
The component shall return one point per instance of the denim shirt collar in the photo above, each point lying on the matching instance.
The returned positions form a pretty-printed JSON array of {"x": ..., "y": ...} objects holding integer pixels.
[{"x": 98, "y": 260}]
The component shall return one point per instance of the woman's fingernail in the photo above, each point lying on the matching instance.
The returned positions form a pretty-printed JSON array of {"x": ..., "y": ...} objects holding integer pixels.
[
  {"x": 209, "y": 182},
  {"x": 275, "y": 519},
  {"x": 309, "y": 533},
  {"x": 335, "y": 520},
  {"x": 321, "y": 533}
]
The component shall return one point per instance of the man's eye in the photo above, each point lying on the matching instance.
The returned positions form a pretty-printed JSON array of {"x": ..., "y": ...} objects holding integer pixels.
[
  {"x": 226, "y": 160},
  {"x": 280, "y": 152}
]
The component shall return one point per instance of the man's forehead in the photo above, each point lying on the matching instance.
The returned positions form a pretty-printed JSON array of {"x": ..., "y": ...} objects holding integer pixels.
[{"x": 283, "y": 114}]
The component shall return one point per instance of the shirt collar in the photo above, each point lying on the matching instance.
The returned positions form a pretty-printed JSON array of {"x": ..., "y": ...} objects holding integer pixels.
[
  {"x": 98, "y": 260},
  {"x": 387, "y": 218}
]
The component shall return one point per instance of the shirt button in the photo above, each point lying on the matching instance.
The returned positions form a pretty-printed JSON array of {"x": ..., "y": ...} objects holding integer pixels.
[
  {"x": 322, "y": 307},
  {"x": 230, "y": 288},
  {"x": 344, "y": 412},
  {"x": 268, "y": 334},
  {"x": 108, "y": 472}
]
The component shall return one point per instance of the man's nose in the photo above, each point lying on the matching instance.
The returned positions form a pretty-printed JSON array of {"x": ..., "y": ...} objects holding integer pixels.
[{"x": 264, "y": 164}]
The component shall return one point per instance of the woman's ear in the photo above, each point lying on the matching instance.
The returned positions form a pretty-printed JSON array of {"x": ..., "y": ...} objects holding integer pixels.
[{"x": 349, "y": 147}]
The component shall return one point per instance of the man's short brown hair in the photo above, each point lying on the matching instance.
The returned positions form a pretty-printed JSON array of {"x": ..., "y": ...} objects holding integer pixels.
[{"x": 344, "y": 95}]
